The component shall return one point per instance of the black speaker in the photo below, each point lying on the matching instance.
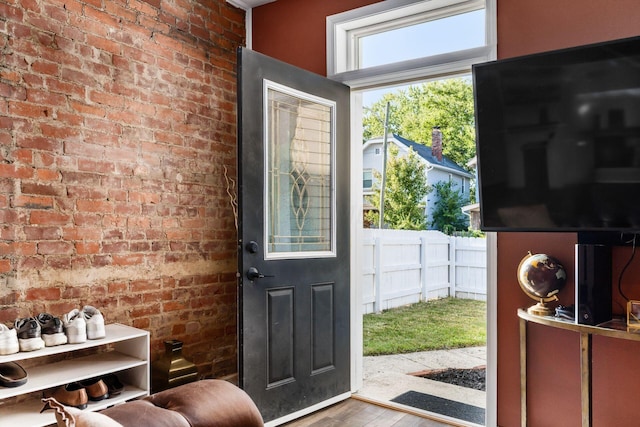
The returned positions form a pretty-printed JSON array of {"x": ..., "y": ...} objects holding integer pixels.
[{"x": 593, "y": 284}]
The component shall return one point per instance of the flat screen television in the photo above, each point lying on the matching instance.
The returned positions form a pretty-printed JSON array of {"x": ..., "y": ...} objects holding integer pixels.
[{"x": 558, "y": 139}]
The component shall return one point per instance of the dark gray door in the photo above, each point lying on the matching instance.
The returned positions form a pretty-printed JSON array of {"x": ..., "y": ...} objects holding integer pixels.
[{"x": 293, "y": 168}]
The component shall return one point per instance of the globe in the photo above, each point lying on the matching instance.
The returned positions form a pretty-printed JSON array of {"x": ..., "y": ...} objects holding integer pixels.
[{"x": 541, "y": 277}]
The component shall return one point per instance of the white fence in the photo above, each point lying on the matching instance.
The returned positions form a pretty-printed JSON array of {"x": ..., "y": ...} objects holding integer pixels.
[{"x": 403, "y": 267}]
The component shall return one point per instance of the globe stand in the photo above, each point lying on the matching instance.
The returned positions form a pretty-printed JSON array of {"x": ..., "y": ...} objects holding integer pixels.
[
  {"x": 541, "y": 277},
  {"x": 540, "y": 309}
]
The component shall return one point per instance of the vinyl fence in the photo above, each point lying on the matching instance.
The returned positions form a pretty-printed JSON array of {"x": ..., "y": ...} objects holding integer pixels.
[{"x": 404, "y": 267}]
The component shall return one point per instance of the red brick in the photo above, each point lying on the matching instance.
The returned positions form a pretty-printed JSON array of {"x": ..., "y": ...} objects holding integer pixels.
[
  {"x": 53, "y": 248},
  {"x": 83, "y": 108},
  {"x": 96, "y": 166},
  {"x": 59, "y": 132},
  {"x": 94, "y": 206},
  {"x": 47, "y": 175},
  {"x": 14, "y": 171},
  {"x": 74, "y": 232},
  {"x": 86, "y": 192},
  {"x": 124, "y": 260},
  {"x": 39, "y": 143},
  {"x": 11, "y": 313},
  {"x": 38, "y": 217},
  {"x": 32, "y": 262},
  {"x": 33, "y": 202},
  {"x": 42, "y": 233},
  {"x": 140, "y": 197},
  {"x": 117, "y": 288},
  {"x": 103, "y": 44},
  {"x": 107, "y": 99},
  {"x": 50, "y": 294},
  {"x": 59, "y": 262},
  {"x": 42, "y": 189},
  {"x": 101, "y": 261},
  {"x": 84, "y": 248},
  {"x": 5, "y": 266},
  {"x": 12, "y": 92},
  {"x": 115, "y": 247}
]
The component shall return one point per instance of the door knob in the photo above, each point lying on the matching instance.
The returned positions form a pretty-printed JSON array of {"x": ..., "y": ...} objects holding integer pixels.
[
  {"x": 252, "y": 247},
  {"x": 253, "y": 274}
]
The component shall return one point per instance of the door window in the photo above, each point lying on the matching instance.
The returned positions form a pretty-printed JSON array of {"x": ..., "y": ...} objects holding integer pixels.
[{"x": 299, "y": 147}]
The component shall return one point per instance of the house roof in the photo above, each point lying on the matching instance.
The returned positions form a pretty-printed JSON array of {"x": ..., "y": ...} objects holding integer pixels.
[{"x": 425, "y": 152}]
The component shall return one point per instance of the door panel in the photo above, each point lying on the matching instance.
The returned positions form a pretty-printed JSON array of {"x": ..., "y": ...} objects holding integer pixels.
[{"x": 293, "y": 169}]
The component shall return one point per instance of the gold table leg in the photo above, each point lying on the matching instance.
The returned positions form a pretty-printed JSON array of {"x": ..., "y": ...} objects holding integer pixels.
[
  {"x": 585, "y": 378},
  {"x": 523, "y": 372}
]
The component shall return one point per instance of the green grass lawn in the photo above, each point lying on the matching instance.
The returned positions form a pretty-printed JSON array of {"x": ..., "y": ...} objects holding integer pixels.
[{"x": 432, "y": 325}]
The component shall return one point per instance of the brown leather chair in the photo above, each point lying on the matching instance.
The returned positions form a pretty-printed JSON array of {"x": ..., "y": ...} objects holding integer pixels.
[{"x": 206, "y": 403}]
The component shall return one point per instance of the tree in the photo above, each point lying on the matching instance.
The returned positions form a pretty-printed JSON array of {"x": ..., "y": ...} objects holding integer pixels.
[
  {"x": 447, "y": 215},
  {"x": 406, "y": 188},
  {"x": 414, "y": 112}
]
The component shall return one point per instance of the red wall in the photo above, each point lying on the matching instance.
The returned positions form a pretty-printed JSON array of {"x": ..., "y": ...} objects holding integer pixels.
[
  {"x": 294, "y": 30},
  {"x": 554, "y": 369},
  {"x": 524, "y": 27}
]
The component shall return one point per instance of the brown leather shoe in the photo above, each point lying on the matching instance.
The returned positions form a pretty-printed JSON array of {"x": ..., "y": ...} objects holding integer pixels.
[
  {"x": 73, "y": 394},
  {"x": 113, "y": 384},
  {"x": 96, "y": 389}
]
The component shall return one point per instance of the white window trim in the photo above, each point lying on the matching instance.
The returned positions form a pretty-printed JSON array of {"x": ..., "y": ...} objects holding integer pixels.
[
  {"x": 268, "y": 253},
  {"x": 344, "y": 29}
]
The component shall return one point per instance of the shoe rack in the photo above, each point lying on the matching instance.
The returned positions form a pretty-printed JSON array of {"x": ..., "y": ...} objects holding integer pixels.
[{"x": 124, "y": 352}]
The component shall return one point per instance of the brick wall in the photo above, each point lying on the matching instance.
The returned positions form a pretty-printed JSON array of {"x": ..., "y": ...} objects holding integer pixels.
[{"x": 117, "y": 122}]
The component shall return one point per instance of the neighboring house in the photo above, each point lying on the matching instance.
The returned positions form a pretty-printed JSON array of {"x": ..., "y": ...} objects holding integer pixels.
[
  {"x": 438, "y": 167},
  {"x": 473, "y": 210}
]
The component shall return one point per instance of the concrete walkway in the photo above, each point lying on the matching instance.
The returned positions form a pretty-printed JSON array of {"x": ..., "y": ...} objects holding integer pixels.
[{"x": 386, "y": 377}]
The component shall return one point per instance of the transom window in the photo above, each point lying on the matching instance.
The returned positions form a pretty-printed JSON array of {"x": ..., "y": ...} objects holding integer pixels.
[
  {"x": 446, "y": 37},
  {"x": 433, "y": 37}
]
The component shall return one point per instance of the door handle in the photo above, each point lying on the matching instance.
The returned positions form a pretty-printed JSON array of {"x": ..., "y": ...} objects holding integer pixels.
[{"x": 253, "y": 274}]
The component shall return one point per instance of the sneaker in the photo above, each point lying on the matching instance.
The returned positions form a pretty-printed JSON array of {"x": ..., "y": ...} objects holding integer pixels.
[
  {"x": 8, "y": 341},
  {"x": 52, "y": 330},
  {"x": 95, "y": 322},
  {"x": 75, "y": 326},
  {"x": 29, "y": 334}
]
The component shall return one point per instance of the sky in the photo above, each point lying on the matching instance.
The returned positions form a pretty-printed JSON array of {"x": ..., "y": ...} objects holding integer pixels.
[{"x": 430, "y": 38}]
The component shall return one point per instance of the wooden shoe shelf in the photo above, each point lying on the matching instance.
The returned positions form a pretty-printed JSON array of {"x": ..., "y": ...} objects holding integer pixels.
[{"x": 124, "y": 352}]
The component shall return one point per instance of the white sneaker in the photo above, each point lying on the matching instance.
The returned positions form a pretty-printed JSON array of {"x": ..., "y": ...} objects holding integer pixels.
[
  {"x": 8, "y": 341},
  {"x": 52, "y": 330},
  {"x": 95, "y": 322},
  {"x": 28, "y": 331},
  {"x": 75, "y": 326}
]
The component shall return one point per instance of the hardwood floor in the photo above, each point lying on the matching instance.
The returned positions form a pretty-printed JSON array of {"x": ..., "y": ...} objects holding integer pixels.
[{"x": 355, "y": 412}]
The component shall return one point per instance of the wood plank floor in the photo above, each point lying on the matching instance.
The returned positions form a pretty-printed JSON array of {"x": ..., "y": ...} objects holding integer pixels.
[{"x": 355, "y": 412}]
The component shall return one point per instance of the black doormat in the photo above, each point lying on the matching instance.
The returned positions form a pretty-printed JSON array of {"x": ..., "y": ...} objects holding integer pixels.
[{"x": 447, "y": 407}]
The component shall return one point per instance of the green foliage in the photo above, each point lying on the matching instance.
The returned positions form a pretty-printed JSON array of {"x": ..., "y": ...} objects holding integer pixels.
[
  {"x": 469, "y": 233},
  {"x": 406, "y": 188},
  {"x": 447, "y": 213},
  {"x": 415, "y": 111},
  {"x": 433, "y": 325}
]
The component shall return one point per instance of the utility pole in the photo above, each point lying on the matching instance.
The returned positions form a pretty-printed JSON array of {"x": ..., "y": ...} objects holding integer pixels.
[{"x": 384, "y": 167}]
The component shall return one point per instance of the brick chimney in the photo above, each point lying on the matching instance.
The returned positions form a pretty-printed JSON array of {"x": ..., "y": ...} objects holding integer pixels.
[{"x": 436, "y": 143}]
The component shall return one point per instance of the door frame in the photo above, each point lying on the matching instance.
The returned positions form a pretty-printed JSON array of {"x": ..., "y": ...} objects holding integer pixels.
[
  {"x": 357, "y": 359},
  {"x": 356, "y": 220}
]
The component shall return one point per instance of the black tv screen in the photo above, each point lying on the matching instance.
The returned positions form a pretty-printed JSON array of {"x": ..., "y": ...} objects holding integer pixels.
[{"x": 558, "y": 139}]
